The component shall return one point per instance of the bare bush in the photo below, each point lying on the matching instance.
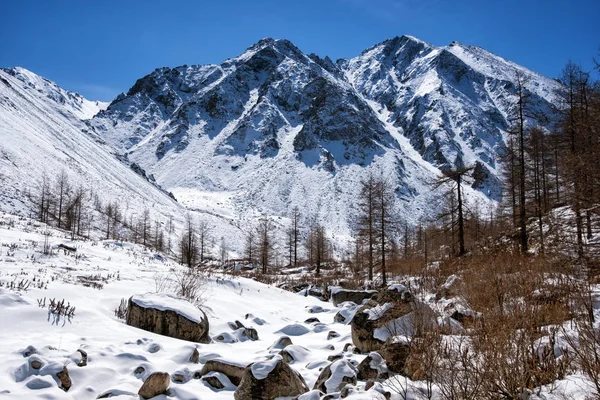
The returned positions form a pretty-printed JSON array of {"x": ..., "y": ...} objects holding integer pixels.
[{"x": 189, "y": 283}]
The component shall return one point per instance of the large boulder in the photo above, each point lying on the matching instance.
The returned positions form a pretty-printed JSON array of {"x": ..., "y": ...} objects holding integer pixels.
[
  {"x": 268, "y": 380},
  {"x": 338, "y": 296},
  {"x": 392, "y": 312},
  {"x": 335, "y": 376},
  {"x": 168, "y": 315}
]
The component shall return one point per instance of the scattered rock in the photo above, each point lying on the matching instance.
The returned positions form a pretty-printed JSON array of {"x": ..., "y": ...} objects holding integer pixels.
[
  {"x": 348, "y": 347},
  {"x": 65, "y": 379},
  {"x": 449, "y": 289},
  {"x": 372, "y": 367},
  {"x": 282, "y": 343},
  {"x": 35, "y": 363},
  {"x": 311, "y": 320},
  {"x": 166, "y": 321},
  {"x": 347, "y": 391},
  {"x": 213, "y": 381},
  {"x": 155, "y": 385},
  {"x": 232, "y": 371},
  {"x": 390, "y": 313},
  {"x": 286, "y": 356},
  {"x": 293, "y": 330},
  {"x": 139, "y": 370},
  {"x": 335, "y": 376},
  {"x": 178, "y": 377},
  {"x": 38, "y": 383},
  {"x": 268, "y": 380},
  {"x": 29, "y": 351},
  {"x": 195, "y": 357},
  {"x": 332, "y": 335},
  {"x": 154, "y": 348},
  {"x": 315, "y": 309},
  {"x": 370, "y": 383},
  {"x": 84, "y": 358},
  {"x": 250, "y": 333},
  {"x": 465, "y": 317},
  {"x": 395, "y": 355},
  {"x": 226, "y": 337},
  {"x": 335, "y": 357},
  {"x": 293, "y": 353},
  {"x": 356, "y": 296}
]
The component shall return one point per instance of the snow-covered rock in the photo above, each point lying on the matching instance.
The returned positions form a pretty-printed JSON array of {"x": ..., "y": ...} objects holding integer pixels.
[
  {"x": 168, "y": 315},
  {"x": 270, "y": 379}
]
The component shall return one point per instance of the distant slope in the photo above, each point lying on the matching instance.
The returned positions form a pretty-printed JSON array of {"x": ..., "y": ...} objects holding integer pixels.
[
  {"x": 39, "y": 136},
  {"x": 70, "y": 102}
]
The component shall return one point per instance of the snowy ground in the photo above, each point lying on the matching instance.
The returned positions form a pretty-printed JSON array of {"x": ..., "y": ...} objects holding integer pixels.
[{"x": 114, "y": 349}]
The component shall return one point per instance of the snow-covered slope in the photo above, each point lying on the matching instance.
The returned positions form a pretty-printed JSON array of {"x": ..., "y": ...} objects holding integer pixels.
[
  {"x": 72, "y": 103},
  {"x": 39, "y": 137},
  {"x": 275, "y": 128},
  {"x": 114, "y": 349},
  {"x": 453, "y": 103}
]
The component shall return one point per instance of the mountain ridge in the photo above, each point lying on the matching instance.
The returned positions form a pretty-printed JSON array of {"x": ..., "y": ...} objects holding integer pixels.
[{"x": 275, "y": 128}]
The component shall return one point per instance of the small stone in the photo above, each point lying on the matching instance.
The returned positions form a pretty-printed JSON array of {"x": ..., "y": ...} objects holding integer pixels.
[
  {"x": 154, "y": 348},
  {"x": 156, "y": 384},
  {"x": 84, "y": 358},
  {"x": 195, "y": 357},
  {"x": 348, "y": 347},
  {"x": 332, "y": 334},
  {"x": 36, "y": 364},
  {"x": 213, "y": 381},
  {"x": 65, "y": 379},
  {"x": 29, "y": 351},
  {"x": 370, "y": 383},
  {"x": 311, "y": 320},
  {"x": 139, "y": 370},
  {"x": 346, "y": 391},
  {"x": 335, "y": 357},
  {"x": 251, "y": 333},
  {"x": 239, "y": 325},
  {"x": 178, "y": 378}
]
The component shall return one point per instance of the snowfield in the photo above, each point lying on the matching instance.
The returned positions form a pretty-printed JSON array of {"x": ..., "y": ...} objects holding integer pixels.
[
  {"x": 114, "y": 349},
  {"x": 119, "y": 357}
]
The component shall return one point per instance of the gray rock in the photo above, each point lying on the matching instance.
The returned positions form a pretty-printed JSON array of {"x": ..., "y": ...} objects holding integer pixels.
[
  {"x": 168, "y": 323},
  {"x": 65, "y": 379},
  {"x": 343, "y": 373},
  {"x": 195, "y": 357},
  {"x": 281, "y": 381},
  {"x": 230, "y": 370},
  {"x": 155, "y": 385},
  {"x": 355, "y": 296}
]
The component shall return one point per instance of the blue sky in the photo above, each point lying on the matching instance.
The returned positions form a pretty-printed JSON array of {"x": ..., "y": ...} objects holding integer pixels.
[{"x": 100, "y": 48}]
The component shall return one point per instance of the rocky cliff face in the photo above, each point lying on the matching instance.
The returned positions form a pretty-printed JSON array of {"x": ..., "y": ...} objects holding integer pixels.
[{"x": 274, "y": 127}]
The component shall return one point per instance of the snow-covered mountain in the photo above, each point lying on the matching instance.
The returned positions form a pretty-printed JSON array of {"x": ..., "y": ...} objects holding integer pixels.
[
  {"x": 41, "y": 132},
  {"x": 274, "y": 127},
  {"x": 70, "y": 103}
]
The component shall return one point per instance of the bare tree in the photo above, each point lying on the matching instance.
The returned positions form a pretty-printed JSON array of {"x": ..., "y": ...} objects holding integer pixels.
[
  {"x": 188, "y": 244},
  {"x": 265, "y": 243},
  {"x": 62, "y": 192}
]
